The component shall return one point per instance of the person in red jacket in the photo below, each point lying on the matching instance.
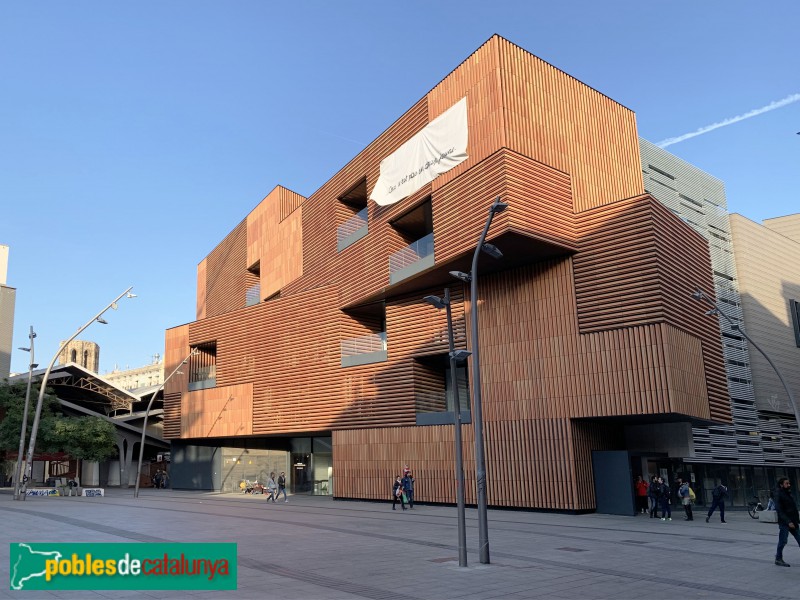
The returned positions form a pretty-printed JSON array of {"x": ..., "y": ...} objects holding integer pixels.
[{"x": 641, "y": 494}]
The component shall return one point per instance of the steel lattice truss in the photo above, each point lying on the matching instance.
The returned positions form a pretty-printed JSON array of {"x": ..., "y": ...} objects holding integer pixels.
[{"x": 117, "y": 401}]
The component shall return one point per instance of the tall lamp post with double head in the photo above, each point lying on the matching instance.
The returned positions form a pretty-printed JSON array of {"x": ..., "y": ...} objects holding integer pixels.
[
  {"x": 32, "y": 365},
  {"x": 700, "y": 295},
  {"x": 456, "y": 356},
  {"x": 147, "y": 413},
  {"x": 34, "y": 429},
  {"x": 477, "y": 412}
]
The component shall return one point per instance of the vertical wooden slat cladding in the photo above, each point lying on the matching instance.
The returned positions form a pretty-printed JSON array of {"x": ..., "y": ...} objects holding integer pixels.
[
  {"x": 223, "y": 411},
  {"x": 540, "y": 204},
  {"x": 226, "y": 273},
  {"x": 553, "y": 119},
  {"x": 529, "y": 463},
  {"x": 366, "y": 462},
  {"x": 290, "y": 201},
  {"x": 275, "y": 240},
  {"x": 176, "y": 346},
  {"x": 588, "y": 436},
  {"x": 478, "y": 78}
]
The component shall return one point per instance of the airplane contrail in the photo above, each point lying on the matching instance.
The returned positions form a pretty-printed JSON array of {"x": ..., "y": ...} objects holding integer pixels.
[{"x": 736, "y": 119}]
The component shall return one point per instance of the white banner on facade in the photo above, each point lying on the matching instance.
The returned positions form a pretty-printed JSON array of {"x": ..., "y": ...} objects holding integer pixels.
[{"x": 439, "y": 147}]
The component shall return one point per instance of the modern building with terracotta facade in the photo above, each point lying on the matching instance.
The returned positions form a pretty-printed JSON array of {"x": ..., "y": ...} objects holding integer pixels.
[{"x": 317, "y": 355}]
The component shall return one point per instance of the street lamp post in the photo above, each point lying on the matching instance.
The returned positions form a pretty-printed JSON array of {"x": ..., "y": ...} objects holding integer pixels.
[
  {"x": 455, "y": 357},
  {"x": 477, "y": 411},
  {"x": 700, "y": 295},
  {"x": 147, "y": 414},
  {"x": 32, "y": 365},
  {"x": 35, "y": 427}
]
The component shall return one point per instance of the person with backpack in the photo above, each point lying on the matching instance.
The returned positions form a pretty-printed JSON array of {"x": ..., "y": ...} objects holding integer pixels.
[
  {"x": 653, "y": 494},
  {"x": 718, "y": 496},
  {"x": 788, "y": 518},
  {"x": 685, "y": 494}
]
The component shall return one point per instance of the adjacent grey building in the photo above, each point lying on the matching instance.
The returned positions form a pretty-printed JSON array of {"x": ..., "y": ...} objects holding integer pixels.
[{"x": 763, "y": 441}]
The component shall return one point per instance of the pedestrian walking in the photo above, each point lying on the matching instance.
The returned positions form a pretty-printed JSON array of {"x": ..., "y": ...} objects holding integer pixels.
[
  {"x": 640, "y": 486},
  {"x": 397, "y": 493},
  {"x": 685, "y": 495},
  {"x": 653, "y": 495},
  {"x": 272, "y": 487},
  {"x": 718, "y": 495},
  {"x": 157, "y": 479},
  {"x": 788, "y": 519},
  {"x": 666, "y": 500},
  {"x": 282, "y": 486},
  {"x": 408, "y": 488}
]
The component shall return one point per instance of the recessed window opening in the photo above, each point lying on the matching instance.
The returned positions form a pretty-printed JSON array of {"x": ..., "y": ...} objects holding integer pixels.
[
  {"x": 366, "y": 342},
  {"x": 415, "y": 228},
  {"x": 353, "y": 215},
  {"x": 203, "y": 366},
  {"x": 794, "y": 309},
  {"x": 724, "y": 276},
  {"x": 660, "y": 172}
]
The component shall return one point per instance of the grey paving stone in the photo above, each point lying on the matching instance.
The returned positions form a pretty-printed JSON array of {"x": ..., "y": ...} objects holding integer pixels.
[{"x": 315, "y": 547}]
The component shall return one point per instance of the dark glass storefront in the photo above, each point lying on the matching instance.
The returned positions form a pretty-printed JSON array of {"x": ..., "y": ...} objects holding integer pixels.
[{"x": 745, "y": 482}]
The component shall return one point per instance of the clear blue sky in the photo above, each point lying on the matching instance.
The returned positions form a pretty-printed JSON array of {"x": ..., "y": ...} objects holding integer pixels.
[{"x": 135, "y": 135}]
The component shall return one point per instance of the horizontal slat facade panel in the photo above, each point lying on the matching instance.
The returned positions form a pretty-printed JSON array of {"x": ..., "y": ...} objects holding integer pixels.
[
  {"x": 416, "y": 328},
  {"x": 539, "y": 199},
  {"x": 176, "y": 344},
  {"x": 226, "y": 275}
]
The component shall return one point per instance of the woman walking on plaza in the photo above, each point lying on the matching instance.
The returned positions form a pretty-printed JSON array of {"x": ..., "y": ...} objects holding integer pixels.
[{"x": 397, "y": 493}]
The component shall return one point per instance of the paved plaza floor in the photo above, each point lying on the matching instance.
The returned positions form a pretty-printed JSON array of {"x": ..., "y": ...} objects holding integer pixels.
[{"x": 318, "y": 548}]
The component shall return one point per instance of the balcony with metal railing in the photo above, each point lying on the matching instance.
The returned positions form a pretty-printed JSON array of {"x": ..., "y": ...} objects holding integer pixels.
[
  {"x": 202, "y": 378},
  {"x": 364, "y": 350},
  {"x": 352, "y": 230},
  {"x": 412, "y": 259}
]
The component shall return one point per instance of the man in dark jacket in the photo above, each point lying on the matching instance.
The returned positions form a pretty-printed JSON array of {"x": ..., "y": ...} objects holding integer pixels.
[
  {"x": 788, "y": 520},
  {"x": 718, "y": 496},
  {"x": 654, "y": 494}
]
